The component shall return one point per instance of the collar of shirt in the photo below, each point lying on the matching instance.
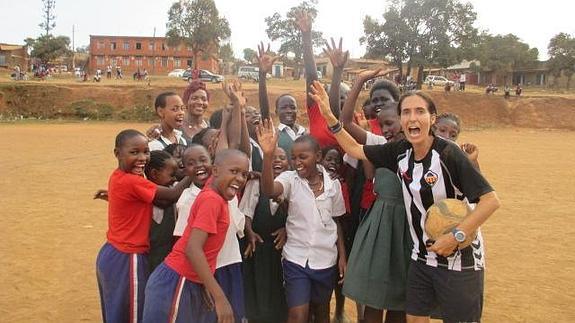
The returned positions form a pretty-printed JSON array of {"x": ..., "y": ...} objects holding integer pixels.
[
  {"x": 328, "y": 183},
  {"x": 289, "y": 130},
  {"x": 255, "y": 144},
  {"x": 179, "y": 138}
]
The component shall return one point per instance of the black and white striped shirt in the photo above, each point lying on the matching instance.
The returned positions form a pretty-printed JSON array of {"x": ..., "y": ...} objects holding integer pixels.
[{"x": 445, "y": 172}]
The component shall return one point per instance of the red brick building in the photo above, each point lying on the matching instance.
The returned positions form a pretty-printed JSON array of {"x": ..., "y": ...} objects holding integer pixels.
[{"x": 150, "y": 53}]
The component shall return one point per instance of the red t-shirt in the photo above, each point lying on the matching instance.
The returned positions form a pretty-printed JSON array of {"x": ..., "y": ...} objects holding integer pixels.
[
  {"x": 318, "y": 127},
  {"x": 368, "y": 195},
  {"x": 210, "y": 214},
  {"x": 129, "y": 211}
]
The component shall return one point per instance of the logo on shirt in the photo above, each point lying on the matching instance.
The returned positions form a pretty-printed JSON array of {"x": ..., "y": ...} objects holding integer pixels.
[{"x": 430, "y": 178}]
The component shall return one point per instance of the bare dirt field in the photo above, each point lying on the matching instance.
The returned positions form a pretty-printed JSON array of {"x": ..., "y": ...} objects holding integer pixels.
[{"x": 52, "y": 229}]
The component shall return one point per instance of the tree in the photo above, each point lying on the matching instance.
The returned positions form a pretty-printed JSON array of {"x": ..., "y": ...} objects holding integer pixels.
[
  {"x": 227, "y": 53},
  {"x": 49, "y": 19},
  {"x": 285, "y": 30},
  {"x": 422, "y": 33},
  {"x": 249, "y": 55},
  {"x": 198, "y": 25},
  {"x": 504, "y": 53},
  {"x": 48, "y": 48},
  {"x": 561, "y": 52}
]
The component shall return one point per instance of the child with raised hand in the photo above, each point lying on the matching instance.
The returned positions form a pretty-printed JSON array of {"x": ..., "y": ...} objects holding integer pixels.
[
  {"x": 285, "y": 105},
  {"x": 266, "y": 235},
  {"x": 176, "y": 291},
  {"x": 431, "y": 170},
  {"x": 310, "y": 255},
  {"x": 161, "y": 170},
  {"x": 122, "y": 263},
  {"x": 171, "y": 110}
]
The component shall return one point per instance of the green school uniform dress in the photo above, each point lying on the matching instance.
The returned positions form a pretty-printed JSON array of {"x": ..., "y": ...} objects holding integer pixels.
[{"x": 377, "y": 267}]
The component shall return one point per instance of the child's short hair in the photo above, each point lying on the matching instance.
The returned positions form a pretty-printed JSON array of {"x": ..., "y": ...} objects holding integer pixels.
[
  {"x": 193, "y": 87},
  {"x": 449, "y": 116},
  {"x": 171, "y": 148},
  {"x": 157, "y": 161},
  {"x": 198, "y": 138},
  {"x": 125, "y": 135},
  {"x": 281, "y": 96},
  {"x": 309, "y": 140},
  {"x": 385, "y": 85},
  {"x": 223, "y": 155},
  {"x": 161, "y": 99},
  {"x": 326, "y": 149}
]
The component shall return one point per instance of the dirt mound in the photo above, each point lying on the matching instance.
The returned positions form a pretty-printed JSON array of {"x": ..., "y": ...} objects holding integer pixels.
[
  {"x": 135, "y": 102},
  {"x": 558, "y": 113}
]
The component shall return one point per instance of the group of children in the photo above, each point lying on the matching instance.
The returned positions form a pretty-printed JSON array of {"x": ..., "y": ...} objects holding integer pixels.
[{"x": 239, "y": 219}]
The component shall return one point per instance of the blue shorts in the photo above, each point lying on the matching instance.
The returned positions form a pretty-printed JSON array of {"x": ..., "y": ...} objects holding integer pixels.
[
  {"x": 172, "y": 298},
  {"x": 121, "y": 280},
  {"x": 305, "y": 285},
  {"x": 230, "y": 280}
]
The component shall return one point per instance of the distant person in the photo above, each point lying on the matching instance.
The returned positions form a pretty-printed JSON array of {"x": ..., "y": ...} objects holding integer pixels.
[
  {"x": 518, "y": 90},
  {"x": 17, "y": 71},
  {"x": 462, "y": 80},
  {"x": 506, "y": 91},
  {"x": 118, "y": 72},
  {"x": 195, "y": 73},
  {"x": 109, "y": 72}
]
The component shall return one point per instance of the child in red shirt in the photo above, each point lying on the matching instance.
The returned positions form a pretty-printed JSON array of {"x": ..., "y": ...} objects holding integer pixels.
[
  {"x": 176, "y": 291},
  {"x": 122, "y": 263}
]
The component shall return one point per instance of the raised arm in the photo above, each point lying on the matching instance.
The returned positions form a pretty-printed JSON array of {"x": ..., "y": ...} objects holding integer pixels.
[
  {"x": 233, "y": 89},
  {"x": 346, "y": 117},
  {"x": 304, "y": 22},
  {"x": 265, "y": 62},
  {"x": 268, "y": 138},
  {"x": 345, "y": 140},
  {"x": 338, "y": 60}
]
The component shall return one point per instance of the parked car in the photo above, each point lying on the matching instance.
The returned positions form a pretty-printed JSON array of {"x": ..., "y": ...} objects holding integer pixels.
[
  {"x": 205, "y": 76},
  {"x": 178, "y": 72},
  {"x": 437, "y": 80}
]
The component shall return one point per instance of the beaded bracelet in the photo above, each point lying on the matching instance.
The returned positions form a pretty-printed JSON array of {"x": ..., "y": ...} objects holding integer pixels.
[{"x": 335, "y": 128}]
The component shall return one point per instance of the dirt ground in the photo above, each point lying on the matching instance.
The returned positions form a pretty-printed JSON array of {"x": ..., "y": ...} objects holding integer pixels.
[{"x": 52, "y": 229}]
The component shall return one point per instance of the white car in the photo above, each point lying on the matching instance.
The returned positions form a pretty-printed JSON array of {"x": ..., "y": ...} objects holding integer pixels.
[
  {"x": 437, "y": 80},
  {"x": 178, "y": 72}
]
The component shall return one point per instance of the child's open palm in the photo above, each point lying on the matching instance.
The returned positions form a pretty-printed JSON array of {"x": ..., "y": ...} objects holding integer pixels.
[
  {"x": 265, "y": 60},
  {"x": 267, "y": 137}
]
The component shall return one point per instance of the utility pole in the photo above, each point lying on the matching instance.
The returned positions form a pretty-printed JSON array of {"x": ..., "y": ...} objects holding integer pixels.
[
  {"x": 153, "y": 57},
  {"x": 73, "y": 51}
]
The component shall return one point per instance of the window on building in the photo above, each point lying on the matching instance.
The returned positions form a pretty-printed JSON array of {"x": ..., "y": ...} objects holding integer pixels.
[
  {"x": 150, "y": 61},
  {"x": 164, "y": 62},
  {"x": 100, "y": 45},
  {"x": 190, "y": 63},
  {"x": 113, "y": 45},
  {"x": 114, "y": 61},
  {"x": 151, "y": 46},
  {"x": 125, "y": 61},
  {"x": 189, "y": 48},
  {"x": 138, "y": 45},
  {"x": 177, "y": 62},
  {"x": 138, "y": 60},
  {"x": 126, "y": 45},
  {"x": 164, "y": 47},
  {"x": 100, "y": 60}
]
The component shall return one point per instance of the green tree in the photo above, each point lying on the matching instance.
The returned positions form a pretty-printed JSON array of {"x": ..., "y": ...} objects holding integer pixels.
[
  {"x": 561, "y": 52},
  {"x": 504, "y": 53},
  {"x": 286, "y": 30},
  {"x": 48, "y": 48},
  {"x": 49, "y": 19},
  {"x": 197, "y": 24},
  {"x": 422, "y": 33},
  {"x": 250, "y": 55},
  {"x": 226, "y": 53}
]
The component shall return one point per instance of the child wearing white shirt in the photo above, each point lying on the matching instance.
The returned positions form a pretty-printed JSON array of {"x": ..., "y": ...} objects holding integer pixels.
[{"x": 314, "y": 237}]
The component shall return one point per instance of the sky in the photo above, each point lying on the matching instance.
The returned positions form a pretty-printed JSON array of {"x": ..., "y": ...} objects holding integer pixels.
[{"x": 534, "y": 22}]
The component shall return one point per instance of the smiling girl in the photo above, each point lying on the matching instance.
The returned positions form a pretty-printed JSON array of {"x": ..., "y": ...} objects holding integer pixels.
[{"x": 430, "y": 169}]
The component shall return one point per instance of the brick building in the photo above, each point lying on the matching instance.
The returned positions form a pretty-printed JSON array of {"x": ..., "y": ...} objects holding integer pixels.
[
  {"x": 150, "y": 53},
  {"x": 12, "y": 55}
]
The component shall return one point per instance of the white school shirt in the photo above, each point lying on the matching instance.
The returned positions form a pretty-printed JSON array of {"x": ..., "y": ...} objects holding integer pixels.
[
  {"x": 230, "y": 252},
  {"x": 311, "y": 229},
  {"x": 162, "y": 142},
  {"x": 251, "y": 197},
  {"x": 293, "y": 135}
]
